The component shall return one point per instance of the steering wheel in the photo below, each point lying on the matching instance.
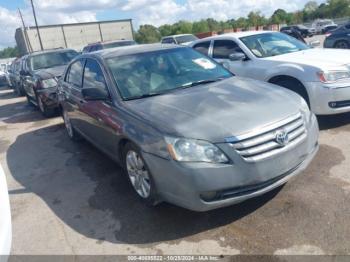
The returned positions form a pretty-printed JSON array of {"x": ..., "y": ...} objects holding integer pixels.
[{"x": 274, "y": 50}]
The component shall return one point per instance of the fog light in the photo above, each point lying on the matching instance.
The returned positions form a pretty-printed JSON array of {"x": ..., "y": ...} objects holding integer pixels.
[{"x": 208, "y": 196}]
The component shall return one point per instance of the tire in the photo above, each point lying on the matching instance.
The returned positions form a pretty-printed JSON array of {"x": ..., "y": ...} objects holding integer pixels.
[
  {"x": 47, "y": 112},
  {"x": 341, "y": 45},
  {"x": 294, "y": 86},
  {"x": 29, "y": 101},
  {"x": 19, "y": 90},
  {"x": 73, "y": 135},
  {"x": 139, "y": 175}
]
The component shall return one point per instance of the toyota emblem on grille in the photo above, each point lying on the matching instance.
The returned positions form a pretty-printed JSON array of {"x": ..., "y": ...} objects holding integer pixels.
[{"x": 282, "y": 137}]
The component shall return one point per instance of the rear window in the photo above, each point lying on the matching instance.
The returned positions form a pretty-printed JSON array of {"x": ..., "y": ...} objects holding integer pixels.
[
  {"x": 185, "y": 39},
  {"x": 53, "y": 59},
  {"x": 119, "y": 44}
]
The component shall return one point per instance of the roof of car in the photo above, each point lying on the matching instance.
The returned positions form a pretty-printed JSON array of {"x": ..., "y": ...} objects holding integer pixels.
[
  {"x": 50, "y": 51},
  {"x": 238, "y": 34},
  {"x": 110, "y": 42},
  {"x": 169, "y": 36},
  {"x": 134, "y": 49}
]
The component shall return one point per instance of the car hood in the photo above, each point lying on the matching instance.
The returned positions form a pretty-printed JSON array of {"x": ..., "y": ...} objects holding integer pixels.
[
  {"x": 51, "y": 72},
  {"x": 318, "y": 57},
  {"x": 217, "y": 111}
]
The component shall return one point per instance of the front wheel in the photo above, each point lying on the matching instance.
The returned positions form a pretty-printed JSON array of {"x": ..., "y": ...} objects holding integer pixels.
[
  {"x": 139, "y": 175},
  {"x": 342, "y": 45},
  {"x": 69, "y": 128},
  {"x": 47, "y": 112}
]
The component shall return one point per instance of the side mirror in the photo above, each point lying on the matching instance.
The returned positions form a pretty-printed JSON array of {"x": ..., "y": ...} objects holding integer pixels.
[
  {"x": 95, "y": 94},
  {"x": 237, "y": 56},
  {"x": 315, "y": 43}
]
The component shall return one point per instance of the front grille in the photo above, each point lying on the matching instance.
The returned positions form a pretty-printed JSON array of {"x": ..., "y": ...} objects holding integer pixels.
[
  {"x": 262, "y": 144},
  {"x": 250, "y": 189}
]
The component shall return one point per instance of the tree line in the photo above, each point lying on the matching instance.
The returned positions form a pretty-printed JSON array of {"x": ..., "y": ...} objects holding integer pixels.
[{"x": 311, "y": 11}]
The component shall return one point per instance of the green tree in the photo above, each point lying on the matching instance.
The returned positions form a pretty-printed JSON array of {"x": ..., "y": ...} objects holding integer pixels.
[
  {"x": 241, "y": 23},
  {"x": 200, "y": 27},
  {"x": 9, "y": 52},
  {"x": 166, "y": 30},
  {"x": 182, "y": 27},
  {"x": 147, "y": 34},
  {"x": 311, "y": 6},
  {"x": 256, "y": 19},
  {"x": 280, "y": 16}
]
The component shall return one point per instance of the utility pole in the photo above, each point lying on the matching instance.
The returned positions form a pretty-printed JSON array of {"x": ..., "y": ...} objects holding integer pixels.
[
  {"x": 26, "y": 39},
  {"x": 37, "y": 27}
]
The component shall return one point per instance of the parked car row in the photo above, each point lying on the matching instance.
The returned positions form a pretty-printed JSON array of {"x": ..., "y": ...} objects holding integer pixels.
[
  {"x": 201, "y": 126},
  {"x": 36, "y": 75}
]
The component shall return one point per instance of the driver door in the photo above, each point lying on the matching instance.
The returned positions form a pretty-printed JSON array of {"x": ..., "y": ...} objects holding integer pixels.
[{"x": 221, "y": 51}]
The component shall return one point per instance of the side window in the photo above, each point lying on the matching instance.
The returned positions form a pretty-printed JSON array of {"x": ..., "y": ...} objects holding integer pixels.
[
  {"x": 168, "y": 41},
  {"x": 93, "y": 75},
  {"x": 202, "y": 47},
  {"x": 224, "y": 48},
  {"x": 75, "y": 75},
  {"x": 86, "y": 49},
  {"x": 347, "y": 26}
]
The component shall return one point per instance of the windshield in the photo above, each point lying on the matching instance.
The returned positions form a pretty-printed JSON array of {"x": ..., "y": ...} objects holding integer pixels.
[
  {"x": 185, "y": 39},
  {"x": 272, "y": 44},
  {"x": 118, "y": 44},
  {"x": 53, "y": 59},
  {"x": 163, "y": 71}
]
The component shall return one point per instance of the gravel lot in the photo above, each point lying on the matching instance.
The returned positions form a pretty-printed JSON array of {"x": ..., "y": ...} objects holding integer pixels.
[{"x": 68, "y": 198}]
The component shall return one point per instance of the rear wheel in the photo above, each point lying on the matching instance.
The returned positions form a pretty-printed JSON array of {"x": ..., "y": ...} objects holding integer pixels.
[
  {"x": 139, "y": 175},
  {"x": 341, "y": 45}
]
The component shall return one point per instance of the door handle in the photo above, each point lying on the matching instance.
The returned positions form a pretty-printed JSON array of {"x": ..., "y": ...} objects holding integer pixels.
[{"x": 82, "y": 102}]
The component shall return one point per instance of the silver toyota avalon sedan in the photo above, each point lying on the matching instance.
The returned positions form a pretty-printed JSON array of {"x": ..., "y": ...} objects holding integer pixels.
[{"x": 185, "y": 129}]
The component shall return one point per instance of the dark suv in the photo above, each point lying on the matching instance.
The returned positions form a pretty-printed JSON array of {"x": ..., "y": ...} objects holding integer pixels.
[
  {"x": 40, "y": 72},
  {"x": 106, "y": 45},
  {"x": 303, "y": 30}
]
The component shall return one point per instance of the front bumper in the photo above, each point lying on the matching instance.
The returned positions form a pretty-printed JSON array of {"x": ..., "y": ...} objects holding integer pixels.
[
  {"x": 329, "y": 99},
  {"x": 49, "y": 97},
  {"x": 186, "y": 184}
]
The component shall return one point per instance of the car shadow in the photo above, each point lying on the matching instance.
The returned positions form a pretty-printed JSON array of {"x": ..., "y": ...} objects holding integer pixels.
[
  {"x": 91, "y": 194},
  {"x": 333, "y": 121}
]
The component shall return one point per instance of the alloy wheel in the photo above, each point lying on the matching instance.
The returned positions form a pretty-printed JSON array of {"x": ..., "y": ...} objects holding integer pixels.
[
  {"x": 138, "y": 174},
  {"x": 342, "y": 45}
]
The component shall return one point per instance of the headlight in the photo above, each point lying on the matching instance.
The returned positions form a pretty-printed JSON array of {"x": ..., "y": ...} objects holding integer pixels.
[
  {"x": 304, "y": 107},
  {"x": 47, "y": 83},
  {"x": 190, "y": 150},
  {"x": 333, "y": 76}
]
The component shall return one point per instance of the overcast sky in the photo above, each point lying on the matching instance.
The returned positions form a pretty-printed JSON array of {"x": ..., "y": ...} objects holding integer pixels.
[{"x": 156, "y": 12}]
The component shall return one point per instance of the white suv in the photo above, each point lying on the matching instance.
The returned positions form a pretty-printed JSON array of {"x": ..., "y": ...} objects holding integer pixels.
[
  {"x": 5, "y": 219},
  {"x": 320, "y": 76}
]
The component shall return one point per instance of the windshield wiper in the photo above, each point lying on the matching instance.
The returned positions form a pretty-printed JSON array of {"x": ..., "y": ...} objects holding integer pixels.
[
  {"x": 143, "y": 96},
  {"x": 200, "y": 82}
]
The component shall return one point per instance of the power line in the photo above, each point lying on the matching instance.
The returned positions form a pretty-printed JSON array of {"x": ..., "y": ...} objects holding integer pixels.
[{"x": 37, "y": 27}]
